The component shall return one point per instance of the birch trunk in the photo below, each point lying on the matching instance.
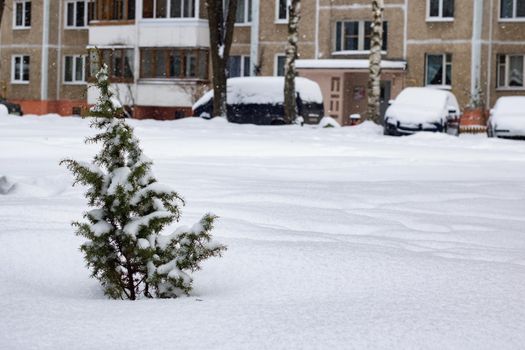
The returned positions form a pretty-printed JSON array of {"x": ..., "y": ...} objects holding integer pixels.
[
  {"x": 290, "y": 101},
  {"x": 221, "y": 36},
  {"x": 374, "y": 80}
]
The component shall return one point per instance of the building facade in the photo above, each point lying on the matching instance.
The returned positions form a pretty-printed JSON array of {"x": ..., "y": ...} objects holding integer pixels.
[
  {"x": 43, "y": 55},
  {"x": 158, "y": 50}
]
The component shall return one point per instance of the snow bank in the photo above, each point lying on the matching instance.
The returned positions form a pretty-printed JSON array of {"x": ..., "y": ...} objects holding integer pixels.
[
  {"x": 6, "y": 185},
  {"x": 329, "y": 122},
  {"x": 338, "y": 238}
]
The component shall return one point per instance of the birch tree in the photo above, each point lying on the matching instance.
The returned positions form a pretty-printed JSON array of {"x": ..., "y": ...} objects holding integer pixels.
[
  {"x": 221, "y": 20},
  {"x": 290, "y": 102},
  {"x": 374, "y": 80}
]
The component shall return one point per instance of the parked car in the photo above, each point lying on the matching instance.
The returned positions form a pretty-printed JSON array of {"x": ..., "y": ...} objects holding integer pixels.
[
  {"x": 422, "y": 109},
  {"x": 260, "y": 100},
  {"x": 507, "y": 118},
  {"x": 12, "y": 108}
]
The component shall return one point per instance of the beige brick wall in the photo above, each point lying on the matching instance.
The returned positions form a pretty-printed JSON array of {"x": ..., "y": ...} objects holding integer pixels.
[{"x": 62, "y": 41}]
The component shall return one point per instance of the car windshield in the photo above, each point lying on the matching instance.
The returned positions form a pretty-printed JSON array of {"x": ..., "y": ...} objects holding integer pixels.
[{"x": 425, "y": 98}]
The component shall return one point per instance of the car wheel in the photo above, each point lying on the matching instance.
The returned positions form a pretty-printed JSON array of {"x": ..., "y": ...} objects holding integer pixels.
[{"x": 490, "y": 132}]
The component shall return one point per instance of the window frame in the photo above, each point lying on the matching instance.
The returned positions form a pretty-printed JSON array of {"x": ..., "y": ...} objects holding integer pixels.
[
  {"x": 361, "y": 35},
  {"x": 20, "y": 81},
  {"x": 247, "y": 14},
  {"x": 93, "y": 65},
  {"x": 103, "y": 11},
  {"x": 278, "y": 19},
  {"x": 242, "y": 67},
  {"x": 506, "y": 86},
  {"x": 24, "y": 13},
  {"x": 182, "y": 52},
  {"x": 86, "y": 14},
  {"x": 440, "y": 17},
  {"x": 74, "y": 66},
  {"x": 514, "y": 17},
  {"x": 276, "y": 65},
  {"x": 445, "y": 63},
  {"x": 196, "y": 4}
]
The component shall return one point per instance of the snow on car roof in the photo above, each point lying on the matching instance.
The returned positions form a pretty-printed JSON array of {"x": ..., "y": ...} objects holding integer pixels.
[
  {"x": 259, "y": 90},
  {"x": 422, "y": 96},
  {"x": 510, "y": 105}
]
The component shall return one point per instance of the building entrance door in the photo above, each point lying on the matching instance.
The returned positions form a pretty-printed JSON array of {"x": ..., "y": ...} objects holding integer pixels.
[{"x": 386, "y": 88}]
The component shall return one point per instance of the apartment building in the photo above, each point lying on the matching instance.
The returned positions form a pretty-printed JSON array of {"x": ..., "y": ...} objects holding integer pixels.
[
  {"x": 43, "y": 55},
  {"x": 475, "y": 48},
  {"x": 157, "y": 50}
]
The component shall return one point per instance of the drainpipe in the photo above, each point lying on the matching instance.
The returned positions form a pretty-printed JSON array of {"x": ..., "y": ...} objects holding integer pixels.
[
  {"x": 405, "y": 31},
  {"x": 475, "y": 65},
  {"x": 254, "y": 38},
  {"x": 59, "y": 52},
  {"x": 136, "y": 57},
  {"x": 45, "y": 52},
  {"x": 489, "y": 60},
  {"x": 316, "y": 29}
]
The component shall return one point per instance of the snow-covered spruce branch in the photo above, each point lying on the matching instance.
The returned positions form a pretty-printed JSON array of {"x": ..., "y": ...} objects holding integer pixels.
[{"x": 125, "y": 248}]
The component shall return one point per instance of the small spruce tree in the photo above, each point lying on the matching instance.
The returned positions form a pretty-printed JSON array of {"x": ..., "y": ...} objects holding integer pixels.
[{"x": 125, "y": 249}]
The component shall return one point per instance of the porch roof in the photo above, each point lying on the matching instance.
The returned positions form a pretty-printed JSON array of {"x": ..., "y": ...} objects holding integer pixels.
[{"x": 347, "y": 64}]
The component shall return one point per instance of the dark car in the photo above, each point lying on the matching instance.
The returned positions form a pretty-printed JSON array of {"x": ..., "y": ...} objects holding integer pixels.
[
  {"x": 260, "y": 100},
  {"x": 12, "y": 108}
]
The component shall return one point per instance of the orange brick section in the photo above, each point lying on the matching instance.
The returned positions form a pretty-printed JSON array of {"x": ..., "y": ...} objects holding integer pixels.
[
  {"x": 161, "y": 113},
  {"x": 61, "y": 107}
]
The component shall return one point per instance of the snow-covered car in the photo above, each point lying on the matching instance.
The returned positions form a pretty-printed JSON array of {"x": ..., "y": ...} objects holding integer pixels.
[
  {"x": 507, "y": 118},
  {"x": 422, "y": 109},
  {"x": 12, "y": 108},
  {"x": 260, "y": 100}
]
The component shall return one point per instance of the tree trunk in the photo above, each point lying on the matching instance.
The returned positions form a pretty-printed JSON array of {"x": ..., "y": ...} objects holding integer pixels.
[
  {"x": 290, "y": 100},
  {"x": 221, "y": 36},
  {"x": 2, "y": 6},
  {"x": 374, "y": 80}
]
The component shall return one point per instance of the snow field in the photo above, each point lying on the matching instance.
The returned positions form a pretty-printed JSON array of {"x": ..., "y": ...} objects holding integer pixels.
[{"x": 338, "y": 238}]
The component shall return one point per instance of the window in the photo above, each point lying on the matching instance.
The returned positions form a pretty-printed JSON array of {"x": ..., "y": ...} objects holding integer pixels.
[
  {"x": 119, "y": 62},
  {"x": 115, "y": 10},
  {"x": 443, "y": 9},
  {"x": 244, "y": 11},
  {"x": 355, "y": 36},
  {"x": 77, "y": 13},
  {"x": 238, "y": 66},
  {"x": 282, "y": 10},
  {"x": 439, "y": 69},
  {"x": 174, "y": 63},
  {"x": 280, "y": 60},
  {"x": 168, "y": 9},
  {"x": 74, "y": 69},
  {"x": 20, "y": 69},
  {"x": 22, "y": 14},
  {"x": 512, "y": 9},
  {"x": 510, "y": 71}
]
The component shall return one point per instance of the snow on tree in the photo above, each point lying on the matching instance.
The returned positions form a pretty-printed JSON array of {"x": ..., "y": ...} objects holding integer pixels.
[
  {"x": 290, "y": 102},
  {"x": 374, "y": 80},
  {"x": 125, "y": 249}
]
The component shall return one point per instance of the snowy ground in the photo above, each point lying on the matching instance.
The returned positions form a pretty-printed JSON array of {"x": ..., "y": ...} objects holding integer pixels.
[{"x": 338, "y": 238}]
